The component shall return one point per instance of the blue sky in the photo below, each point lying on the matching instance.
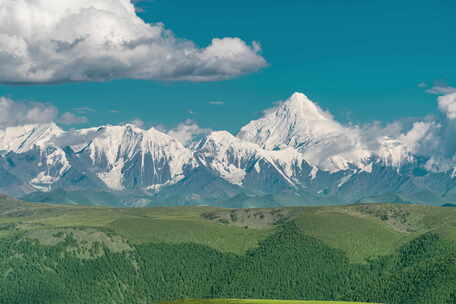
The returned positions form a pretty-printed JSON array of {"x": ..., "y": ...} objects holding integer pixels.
[{"x": 361, "y": 60}]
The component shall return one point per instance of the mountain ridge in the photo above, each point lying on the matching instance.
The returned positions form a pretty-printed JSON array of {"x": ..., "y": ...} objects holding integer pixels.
[{"x": 296, "y": 150}]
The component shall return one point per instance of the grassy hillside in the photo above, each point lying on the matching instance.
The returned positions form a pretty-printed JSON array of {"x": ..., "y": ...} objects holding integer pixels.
[
  {"x": 361, "y": 231},
  {"x": 378, "y": 253},
  {"x": 144, "y": 225}
]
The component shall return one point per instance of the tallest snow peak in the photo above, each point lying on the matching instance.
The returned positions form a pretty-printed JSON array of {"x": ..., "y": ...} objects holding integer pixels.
[
  {"x": 300, "y": 104},
  {"x": 295, "y": 122}
]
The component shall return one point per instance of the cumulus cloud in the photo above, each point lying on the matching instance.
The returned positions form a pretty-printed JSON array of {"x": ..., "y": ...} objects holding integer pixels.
[
  {"x": 430, "y": 137},
  {"x": 371, "y": 133},
  {"x": 187, "y": 132},
  {"x": 421, "y": 137},
  {"x": 72, "y": 119},
  {"x": 46, "y": 41},
  {"x": 447, "y": 104},
  {"x": 13, "y": 113}
]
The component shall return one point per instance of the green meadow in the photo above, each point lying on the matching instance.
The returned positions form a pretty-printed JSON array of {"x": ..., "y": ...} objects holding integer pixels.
[{"x": 361, "y": 231}]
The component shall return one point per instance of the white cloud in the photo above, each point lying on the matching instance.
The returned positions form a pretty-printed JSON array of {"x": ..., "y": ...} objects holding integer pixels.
[
  {"x": 431, "y": 137},
  {"x": 187, "y": 131},
  {"x": 46, "y": 41},
  {"x": 216, "y": 102},
  {"x": 16, "y": 113},
  {"x": 447, "y": 104},
  {"x": 420, "y": 133},
  {"x": 72, "y": 119},
  {"x": 13, "y": 113}
]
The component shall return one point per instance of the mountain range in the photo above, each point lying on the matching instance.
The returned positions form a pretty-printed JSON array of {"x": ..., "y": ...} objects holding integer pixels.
[{"x": 296, "y": 154}]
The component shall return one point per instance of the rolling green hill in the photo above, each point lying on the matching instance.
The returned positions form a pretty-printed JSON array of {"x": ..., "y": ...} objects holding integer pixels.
[{"x": 378, "y": 253}]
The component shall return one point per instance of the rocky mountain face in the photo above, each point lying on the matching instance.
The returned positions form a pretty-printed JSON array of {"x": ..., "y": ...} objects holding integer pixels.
[{"x": 296, "y": 154}]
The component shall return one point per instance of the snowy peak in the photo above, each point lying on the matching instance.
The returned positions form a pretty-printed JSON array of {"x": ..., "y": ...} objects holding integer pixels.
[
  {"x": 148, "y": 157},
  {"x": 301, "y": 124},
  {"x": 301, "y": 107},
  {"x": 123, "y": 139},
  {"x": 296, "y": 122},
  {"x": 226, "y": 155},
  {"x": 121, "y": 157},
  {"x": 21, "y": 139},
  {"x": 115, "y": 142}
]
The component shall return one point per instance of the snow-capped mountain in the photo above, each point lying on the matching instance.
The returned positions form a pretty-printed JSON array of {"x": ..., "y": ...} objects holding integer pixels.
[
  {"x": 297, "y": 122},
  {"x": 296, "y": 153},
  {"x": 125, "y": 157},
  {"x": 301, "y": 124},
  {"x": 20, "y": 139}
]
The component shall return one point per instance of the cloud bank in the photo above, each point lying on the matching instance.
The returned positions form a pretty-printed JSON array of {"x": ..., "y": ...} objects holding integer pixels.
[
  {"x": 50, "y": 41},
  {"x": 429, "y": 137},
  {"x": 13, "y": 113}
]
